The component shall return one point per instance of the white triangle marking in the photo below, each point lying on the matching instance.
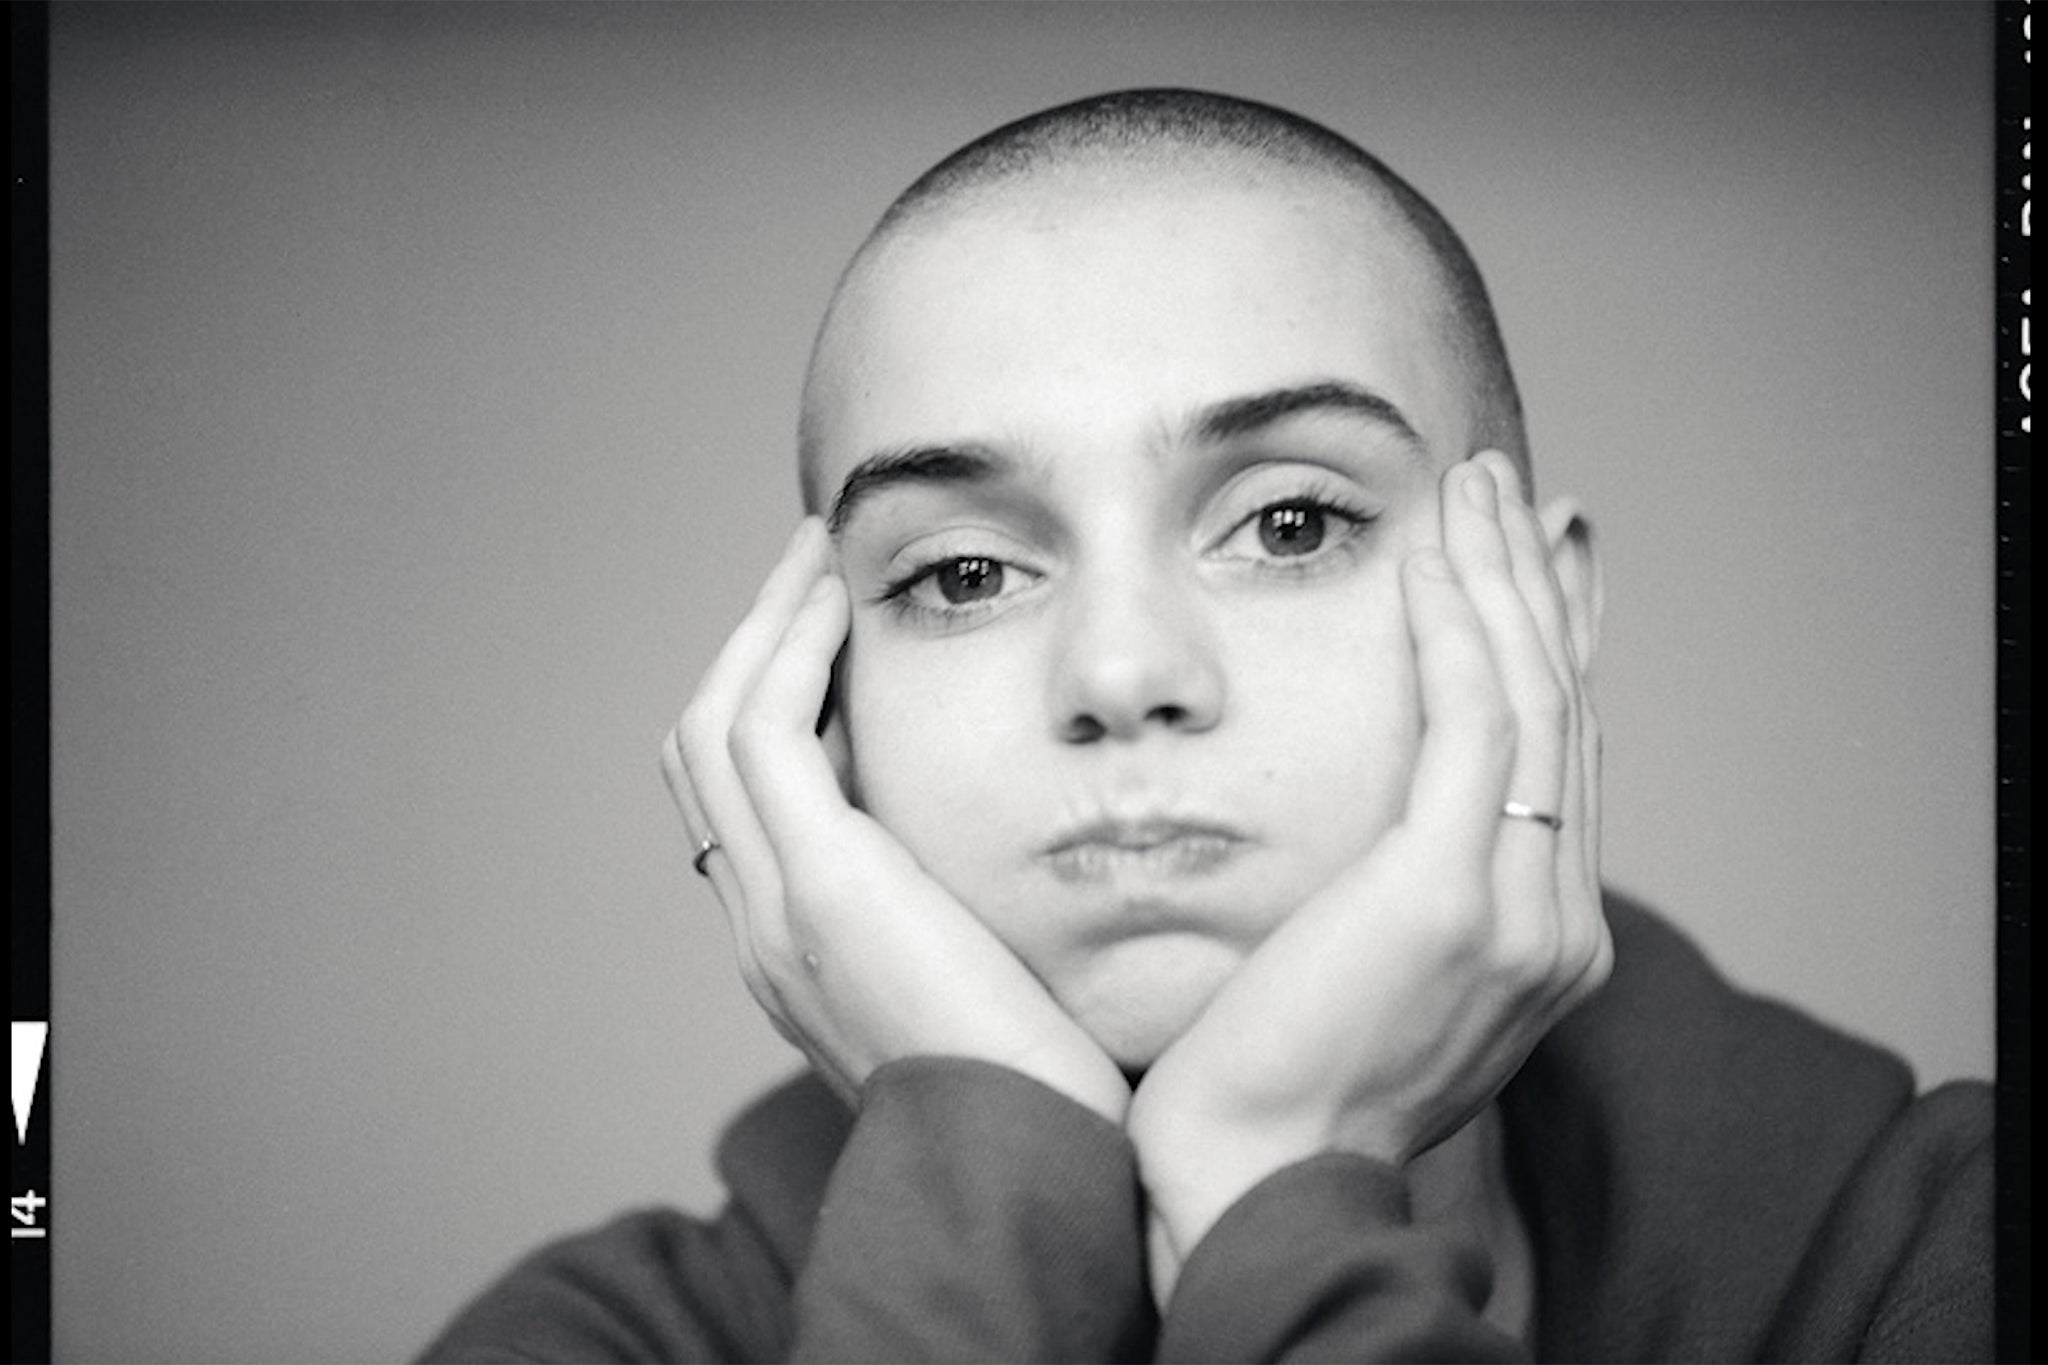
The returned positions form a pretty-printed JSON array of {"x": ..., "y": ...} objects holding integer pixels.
[{"x": 29, "y": 1040}]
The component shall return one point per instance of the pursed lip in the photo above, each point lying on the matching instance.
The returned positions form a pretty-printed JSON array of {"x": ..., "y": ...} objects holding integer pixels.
[{"x": 1160, "y": 846}]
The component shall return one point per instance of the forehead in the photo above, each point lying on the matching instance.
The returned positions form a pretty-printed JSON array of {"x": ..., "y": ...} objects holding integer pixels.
[{"x": 1091, "y": 312}]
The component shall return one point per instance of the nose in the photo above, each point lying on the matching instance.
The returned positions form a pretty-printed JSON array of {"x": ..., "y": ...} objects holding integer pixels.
[{"x": 1137, "y": 656}]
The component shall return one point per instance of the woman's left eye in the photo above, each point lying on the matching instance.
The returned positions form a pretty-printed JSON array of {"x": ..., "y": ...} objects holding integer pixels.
[
  {"x": 976, "y": 578},
  {"x": 1294, "y": 529},
  {"x": 1291, "y": 528}
]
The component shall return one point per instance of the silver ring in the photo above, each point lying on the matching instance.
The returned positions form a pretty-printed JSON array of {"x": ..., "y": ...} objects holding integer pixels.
[
  {"x": 705, "y": 849},
  {"x": 1516, "y": 810}
]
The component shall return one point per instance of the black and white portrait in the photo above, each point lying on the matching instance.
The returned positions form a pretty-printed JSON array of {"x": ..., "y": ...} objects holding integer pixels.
[{"x": 1196, "y": 543}]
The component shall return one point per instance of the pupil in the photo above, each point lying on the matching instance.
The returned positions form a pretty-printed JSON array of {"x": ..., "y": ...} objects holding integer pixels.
[
  {"x": 1291, "y": 529},
  {"x": 970, "y": 580}
]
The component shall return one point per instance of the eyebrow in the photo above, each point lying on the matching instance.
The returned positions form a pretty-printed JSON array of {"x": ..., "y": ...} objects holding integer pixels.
[
  {"x": 913, "y": 464},
  {"x": 1242, "y": 416},
  {"x": 1231, "y": 418}
]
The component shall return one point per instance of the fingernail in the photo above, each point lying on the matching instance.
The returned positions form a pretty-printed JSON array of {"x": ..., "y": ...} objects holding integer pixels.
[{"x": 1479, "y": 490}]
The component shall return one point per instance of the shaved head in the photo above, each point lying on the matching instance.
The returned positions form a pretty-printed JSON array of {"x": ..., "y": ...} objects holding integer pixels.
[{"x": 1094, "y": 147}]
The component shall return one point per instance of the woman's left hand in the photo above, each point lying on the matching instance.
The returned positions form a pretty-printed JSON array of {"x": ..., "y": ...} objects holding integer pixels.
[{"x": 1394, "y": 1004}]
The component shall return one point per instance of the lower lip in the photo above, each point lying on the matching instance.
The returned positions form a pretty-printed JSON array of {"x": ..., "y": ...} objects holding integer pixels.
[{"x": 1183, "y": 855}]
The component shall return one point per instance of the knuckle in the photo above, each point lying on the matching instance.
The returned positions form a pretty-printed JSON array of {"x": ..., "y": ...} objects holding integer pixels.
[
  {"x": 758, "y": 986},
  {"x": 789, "y": 1032},
  {"x": 1574, "y": 952},
  {"x": 1528, "y": 957},
  {"x": 1601, "y": 966},
  {"x": 1586, "y": 966},
  {"x": 780, "y": 976},
  {"x": 778, "y": 963},
  {"x": 696, "y": 738},
  {"x": 758, "y": 982},
  {"x": 671, "y": 762}
]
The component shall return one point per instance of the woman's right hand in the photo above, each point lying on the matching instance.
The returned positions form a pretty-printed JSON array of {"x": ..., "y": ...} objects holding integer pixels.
[{"x": 856, "y": 953}]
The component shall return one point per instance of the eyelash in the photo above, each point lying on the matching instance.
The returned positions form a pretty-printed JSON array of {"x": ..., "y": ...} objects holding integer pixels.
[{"x": 898, "y": 597}]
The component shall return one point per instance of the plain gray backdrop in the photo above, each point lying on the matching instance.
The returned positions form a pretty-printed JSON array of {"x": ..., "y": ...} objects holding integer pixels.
[{"x": 425, "y": 387}]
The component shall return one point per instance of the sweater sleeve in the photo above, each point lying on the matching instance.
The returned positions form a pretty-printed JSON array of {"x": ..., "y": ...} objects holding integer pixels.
[
  {"x": 972, "y": 1214},
  {"x": 653, "y": 1285},
  {"x": 1321, "y": 1261},
  {"x": 975, "y": 1215}
]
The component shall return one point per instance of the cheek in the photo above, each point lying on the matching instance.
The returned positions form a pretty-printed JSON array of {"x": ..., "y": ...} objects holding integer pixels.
[
  {"x": 1326, "y": 700},
  {"x": 936, "y": 733}
]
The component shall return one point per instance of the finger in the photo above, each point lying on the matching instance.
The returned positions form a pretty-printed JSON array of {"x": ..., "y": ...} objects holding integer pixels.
[
  {"x": 1585, "y": 950},
  {"x": 1591, "y": 912},
  {"x": 696, "y": 825},
  {"x": 1531, "y": 566},
  {"x": 746, "y": 652},
  {"x": 786, "y": 769},
  {"x": 1529, "y": 563},
  {"x": 704, "y": 733},
  {"x": 717, "y": 869},
  {"x": 1478, "y": 550},
  {"x": 751, "y": 642},
  {"x": 1466, "y": 755},
  {"x": 1528, "y": 931}
]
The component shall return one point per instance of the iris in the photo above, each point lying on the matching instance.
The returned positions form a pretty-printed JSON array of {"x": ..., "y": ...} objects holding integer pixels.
[
  {"x": 1291, "y": 528},
  {"x": 973, "y": 579}
]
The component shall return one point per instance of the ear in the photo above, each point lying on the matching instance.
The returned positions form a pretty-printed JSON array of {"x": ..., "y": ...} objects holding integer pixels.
[{"x": 1577, "y": 565}]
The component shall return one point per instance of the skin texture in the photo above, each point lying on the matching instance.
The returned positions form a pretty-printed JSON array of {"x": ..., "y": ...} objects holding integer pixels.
[{"x": 1178, "y": 739}]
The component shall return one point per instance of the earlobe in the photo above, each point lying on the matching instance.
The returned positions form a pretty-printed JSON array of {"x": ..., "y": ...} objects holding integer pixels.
[{"x": 1576, "y": 561}]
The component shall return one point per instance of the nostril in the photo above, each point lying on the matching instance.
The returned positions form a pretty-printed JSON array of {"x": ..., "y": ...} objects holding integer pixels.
[{"x": 1085, "y": 730}]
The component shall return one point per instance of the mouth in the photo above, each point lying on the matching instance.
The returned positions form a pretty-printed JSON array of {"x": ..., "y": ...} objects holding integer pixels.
[{"x": 1164, "y": 848}]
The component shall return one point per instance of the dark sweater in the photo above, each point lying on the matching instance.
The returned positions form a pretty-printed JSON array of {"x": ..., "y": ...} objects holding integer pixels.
[{"x": 1705, "y": 1175}]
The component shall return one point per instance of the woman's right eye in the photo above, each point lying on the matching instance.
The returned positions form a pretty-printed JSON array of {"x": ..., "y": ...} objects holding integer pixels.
[{"x": 957, "y": 586}]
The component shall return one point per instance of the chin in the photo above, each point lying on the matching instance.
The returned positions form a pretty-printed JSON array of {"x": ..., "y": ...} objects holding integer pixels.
[{"x": 1136, "y": 997}]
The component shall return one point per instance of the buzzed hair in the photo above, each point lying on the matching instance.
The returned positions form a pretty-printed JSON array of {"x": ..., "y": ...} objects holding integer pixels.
[{"x": 1156, "y": 125}]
